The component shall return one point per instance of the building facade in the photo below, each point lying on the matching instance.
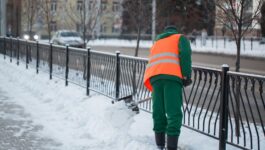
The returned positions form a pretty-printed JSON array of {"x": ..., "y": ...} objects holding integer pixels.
[
  {"x": 11, "y": 17},
  {"x": 101, "y": 17},
  {"x": 221, "y": 29},
  {"x": 2, "y": 17}
]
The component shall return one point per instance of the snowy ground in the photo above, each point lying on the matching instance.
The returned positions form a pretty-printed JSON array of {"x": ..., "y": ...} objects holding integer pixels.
[{"x": 44, "y": 114}]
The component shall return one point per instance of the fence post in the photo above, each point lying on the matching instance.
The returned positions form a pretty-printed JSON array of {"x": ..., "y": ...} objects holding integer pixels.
[
  {"x": 88, "y": 72},
  {"x": 51, "y": 60},
  {"x": 216, "y": 42},
  {"x": 201, "y": 40},
  {"x": 18, "y": 47},
  {"x": 223, "y": 122},
  {"x": 11, "y": 47},
  {"x": 27, "y": 54},
  {"x": 251, "y": 40},
  {"x": 237, "y": 111},
  {"x": 117, "y": 83},
  {"x": 67, "y": 65},
  {"x": 244, "y": 44},
  {"x": 224, "y": 42},
  {"x": 38, "y": 58},
  {"x": 195, "y": 41},
  {"x": 212, "y": 41},
  {"x": 4, "y": 47}
]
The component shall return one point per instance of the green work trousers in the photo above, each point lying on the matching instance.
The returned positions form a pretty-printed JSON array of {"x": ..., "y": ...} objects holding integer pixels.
[{"x": 167, "y": 102}]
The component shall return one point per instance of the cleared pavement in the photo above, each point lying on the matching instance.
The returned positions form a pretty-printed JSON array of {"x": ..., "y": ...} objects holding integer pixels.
[{"x": 17, "y": 130}]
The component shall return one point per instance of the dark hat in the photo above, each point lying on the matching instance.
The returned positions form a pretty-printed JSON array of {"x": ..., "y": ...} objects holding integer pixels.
[{"x": 170, "y": 27}]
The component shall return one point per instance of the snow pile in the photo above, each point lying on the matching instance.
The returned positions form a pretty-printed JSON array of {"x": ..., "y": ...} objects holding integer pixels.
[
  {"x": 70, "y": 117},
  {"x": 78, "y": 122}
]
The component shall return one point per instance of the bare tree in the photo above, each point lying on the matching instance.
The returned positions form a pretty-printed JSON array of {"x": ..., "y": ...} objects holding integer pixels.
[
  {"x": 31, "y": 8},
  {"x": 86, "y": 14},
  {"x": 179, "y": 12},
  {"x": 262, "y": 20},
  {"x": 239, "y": 16},
  {"x": 137, "y": 17},
  {"x": 48, "y": 13},
  {"x": 209, "y": 15}
]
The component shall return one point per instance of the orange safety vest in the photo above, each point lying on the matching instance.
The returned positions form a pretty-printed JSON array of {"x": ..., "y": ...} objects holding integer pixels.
[{"x": 163, "y": 59}]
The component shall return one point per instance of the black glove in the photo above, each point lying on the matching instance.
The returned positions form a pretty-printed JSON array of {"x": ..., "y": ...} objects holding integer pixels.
[{"x": 186, "y": 82}]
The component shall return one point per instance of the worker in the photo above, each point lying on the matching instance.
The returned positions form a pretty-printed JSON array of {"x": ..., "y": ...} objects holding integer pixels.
[{"x": 168, "y": 70}]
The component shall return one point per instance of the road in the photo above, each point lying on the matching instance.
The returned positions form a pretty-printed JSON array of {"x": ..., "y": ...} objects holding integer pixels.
[{"x": 248, "y": 65}]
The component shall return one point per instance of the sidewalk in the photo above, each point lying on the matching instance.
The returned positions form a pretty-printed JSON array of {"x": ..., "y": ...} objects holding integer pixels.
[
  {"x": 75, "y": 121},
  {"x": 17, "y": 130}
]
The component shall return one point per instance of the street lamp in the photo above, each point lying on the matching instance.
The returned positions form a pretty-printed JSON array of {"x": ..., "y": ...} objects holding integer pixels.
[
  {"x": 26, "y": 37},
  {"x": 36, "y": 37}
]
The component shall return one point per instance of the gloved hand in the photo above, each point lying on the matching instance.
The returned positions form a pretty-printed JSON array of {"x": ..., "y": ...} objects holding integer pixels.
[{"x": 186, "y": 81}]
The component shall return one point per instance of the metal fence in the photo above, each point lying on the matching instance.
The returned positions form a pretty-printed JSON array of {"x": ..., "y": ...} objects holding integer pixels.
[{"x": 222, "y": 104}]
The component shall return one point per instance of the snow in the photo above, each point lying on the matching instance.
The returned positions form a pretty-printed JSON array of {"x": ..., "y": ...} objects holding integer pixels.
[
  {"x": 80, "y": 122},
  {"x": 217, "y": 46}
]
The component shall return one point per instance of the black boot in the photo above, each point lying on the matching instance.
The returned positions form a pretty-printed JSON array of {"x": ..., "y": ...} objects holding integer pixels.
[
  {"x": 160, "y": 140},
  {"x": 172, "y": 142}
]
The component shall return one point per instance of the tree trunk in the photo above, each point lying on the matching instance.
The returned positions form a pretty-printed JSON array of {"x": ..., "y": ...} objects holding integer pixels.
[
  {"x": 238, "y": 46},
  {"x": 84, "y": 23},
  {"x": 49, "y": 32},
  {"x": 138, "y": 41},
  {"x": 84, "y": 38},
  {"x": 262, "y": 20},
  {"x": 138, "y": 30},
  {"x": 136, "y": 54}
]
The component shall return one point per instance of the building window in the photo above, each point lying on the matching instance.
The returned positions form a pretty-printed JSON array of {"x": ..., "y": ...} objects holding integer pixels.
[
  {"x": 115, "y": 30},
  {"x": 116, "y": 27},
  {"x": 115, "y": 7},
  {"x": 103, "y": 28},
  {"x": 91, "y": 5},
  {"x": 54, "y": 6},
  {"x": 249, "y": 6},
  {"x": 79, "y": 5},
  {"x": 103, "y": 5},
  {"x": 79, "y": 27},
  {"x": 53, "y": 26}
]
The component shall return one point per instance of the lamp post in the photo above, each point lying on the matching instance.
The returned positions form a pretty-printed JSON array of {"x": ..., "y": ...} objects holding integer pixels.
[{"x": 153, "y": 20}]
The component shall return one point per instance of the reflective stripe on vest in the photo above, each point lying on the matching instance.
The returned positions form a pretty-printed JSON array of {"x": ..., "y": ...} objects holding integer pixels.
[
  {"x": 163, "y": 59},
  {"x": 164, "y": 54}
]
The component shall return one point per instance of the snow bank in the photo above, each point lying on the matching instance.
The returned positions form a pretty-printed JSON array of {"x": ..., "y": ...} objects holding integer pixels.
[{"x": 78, "y": 122}]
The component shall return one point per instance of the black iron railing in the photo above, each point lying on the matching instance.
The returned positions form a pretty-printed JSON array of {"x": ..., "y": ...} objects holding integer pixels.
[
  {"x": 246, "y": 117},
  {"x": 201, "y": 105},
  {"x": 222, "y": 104}
]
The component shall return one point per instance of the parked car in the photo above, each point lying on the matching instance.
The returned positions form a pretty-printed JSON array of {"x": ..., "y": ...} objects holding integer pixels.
[
  {"x": 30, "y": 36},
  {"x": 67, "y": 37},
  {"x": 262, "y": 41}
]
